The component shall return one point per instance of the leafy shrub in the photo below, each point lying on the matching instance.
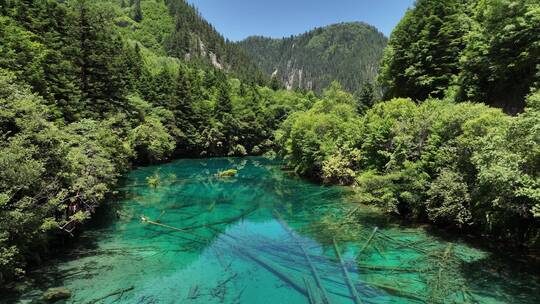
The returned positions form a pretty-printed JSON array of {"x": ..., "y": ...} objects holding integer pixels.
[
  {"x": 151, "y": 140},
  {"x": 465, "y": 164}
]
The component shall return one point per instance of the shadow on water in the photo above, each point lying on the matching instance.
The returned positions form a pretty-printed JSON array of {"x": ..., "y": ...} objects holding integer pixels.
[{"x": 266, "y": 237}]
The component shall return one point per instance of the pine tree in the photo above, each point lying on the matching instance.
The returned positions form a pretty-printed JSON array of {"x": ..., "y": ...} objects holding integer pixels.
[
  {"x": 46, "y": 47},
  {"x": 183, "y": 95},
  {"x": 182, "y": 108},
  {"x": 138, "y": 61},
  {"x": 366, "y": 98},
  {"x": 160, "y": 92},
  {"x": 275, "y": 83},
  {"x": 223, "y": 103},
  {"x": 3, "y": 8},
  {"x": 422, "y": 56},
  {"x": 123, "y": 4},
  {"x": 501, "y": 63},
  {"x": 137, "y": 11},
  {"x": 101, "y": 61}
]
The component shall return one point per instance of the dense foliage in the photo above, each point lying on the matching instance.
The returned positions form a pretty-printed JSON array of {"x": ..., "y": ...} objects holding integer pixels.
[
  {"x": 83, "y": 96},
  {"x": 347, "y": 52},
  {"x": 481, "y": 51},
  {"x": 456, "y": 164},
  {"x": 195, "y": 39},
  {"x": 175, "y": 28},
  {"x": 89, "y": 88},
  {"x": 421, "y": 154}
]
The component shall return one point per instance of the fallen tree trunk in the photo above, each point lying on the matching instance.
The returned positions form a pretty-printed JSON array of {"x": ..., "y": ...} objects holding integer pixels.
[
  {"x": 324, "y": 294},
  {"x": 398, "y": 292},
  {"x": 271, "y": 268},
  {"x": 117, "y": 292},
  {"x": 311, "y": 296},
  {"x": 348, "y": 280},
  {"x": 368, "y": 240},
  {"x": 226, "y": 221}
]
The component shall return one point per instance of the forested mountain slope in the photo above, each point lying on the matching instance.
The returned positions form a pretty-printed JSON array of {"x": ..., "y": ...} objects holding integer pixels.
[
  {"x": 175, "y": 28},
  {"x": 348, "y": 52}
]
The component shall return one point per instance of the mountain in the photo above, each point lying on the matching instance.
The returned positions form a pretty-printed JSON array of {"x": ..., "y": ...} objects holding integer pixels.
[
  {"x": 175, "y": 28},
  {"x": 347, "y": 52}
]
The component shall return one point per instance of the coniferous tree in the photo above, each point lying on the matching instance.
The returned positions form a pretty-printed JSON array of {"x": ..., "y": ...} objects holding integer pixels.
[
  {"x": 46, "y": 36},
  {"x": 422, "y": 57},
  {"x": 135, "y": 65},
  {"x": 275, "y": 84},
  {"x": 366, "y": 98},
  {"x": 81, "y": 99},
  {"x": 223, "y": 101},
  {"x": 345, "y": 52},
  {"x": 183, "y": 98},
  {"x": 4, "y": 8},
  {"x": 501, "y": 63},
  {"x": 182, "y": 108},
  {"x": 160, "y": 92},
  {"x": 137, "y": 11},
  {"x": 100, "y": 60}
]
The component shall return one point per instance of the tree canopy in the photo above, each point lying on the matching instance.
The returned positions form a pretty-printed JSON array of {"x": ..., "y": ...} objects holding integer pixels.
[{"x": 480, "y": 51}]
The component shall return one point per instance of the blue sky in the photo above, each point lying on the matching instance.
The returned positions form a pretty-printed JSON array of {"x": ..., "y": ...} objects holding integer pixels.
[{"x": 238, "y": 19}]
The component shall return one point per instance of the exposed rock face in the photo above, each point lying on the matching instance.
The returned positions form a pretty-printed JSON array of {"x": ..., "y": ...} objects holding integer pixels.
[{"x": 215, "y": 61}]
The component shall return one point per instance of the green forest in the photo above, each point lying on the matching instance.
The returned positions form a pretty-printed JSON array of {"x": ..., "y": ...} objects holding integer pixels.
[
  {"x": 448, "y": 133},
  {"x": 348, "y": 52},
  {"x": 83, "y": 99},
  {"x": 442, "y": 147}
]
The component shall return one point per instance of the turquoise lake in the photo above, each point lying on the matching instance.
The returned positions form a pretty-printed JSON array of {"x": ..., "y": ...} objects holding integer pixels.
[{"x": 265, "y": 236}]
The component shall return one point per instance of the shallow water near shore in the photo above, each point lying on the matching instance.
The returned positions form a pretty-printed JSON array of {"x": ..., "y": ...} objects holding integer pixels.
[{"x": 266, "y": 237}]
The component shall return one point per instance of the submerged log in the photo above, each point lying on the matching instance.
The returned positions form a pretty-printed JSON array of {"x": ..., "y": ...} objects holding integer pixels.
[
  {"x": 403, "y": 243},
  {"x": 398, "y": 292},
  {"x": 211, "y": 207},
  {"x": 147, "y": 220},
  {"x": 311, "y": 296},
  {"x": 114, "y": 293},
  {"x": 288, "y": 262},
  {"x": 368, "y": 240},
  {"x": 193, "y": 292},
  {"x": 348, "y": 280},
  {"x": 324, "y": 294},
  {"x": 274, "y": 269},
  {"x": 226, "y": 221}
]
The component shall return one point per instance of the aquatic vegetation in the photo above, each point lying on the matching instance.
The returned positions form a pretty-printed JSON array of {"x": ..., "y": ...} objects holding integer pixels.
[
  {"x": 154, "y": 180},
  {"x": 227, "y": 173}
]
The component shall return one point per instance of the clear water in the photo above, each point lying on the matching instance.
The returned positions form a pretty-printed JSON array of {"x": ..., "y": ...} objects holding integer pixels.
[{"x": 243, "y": 240}]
